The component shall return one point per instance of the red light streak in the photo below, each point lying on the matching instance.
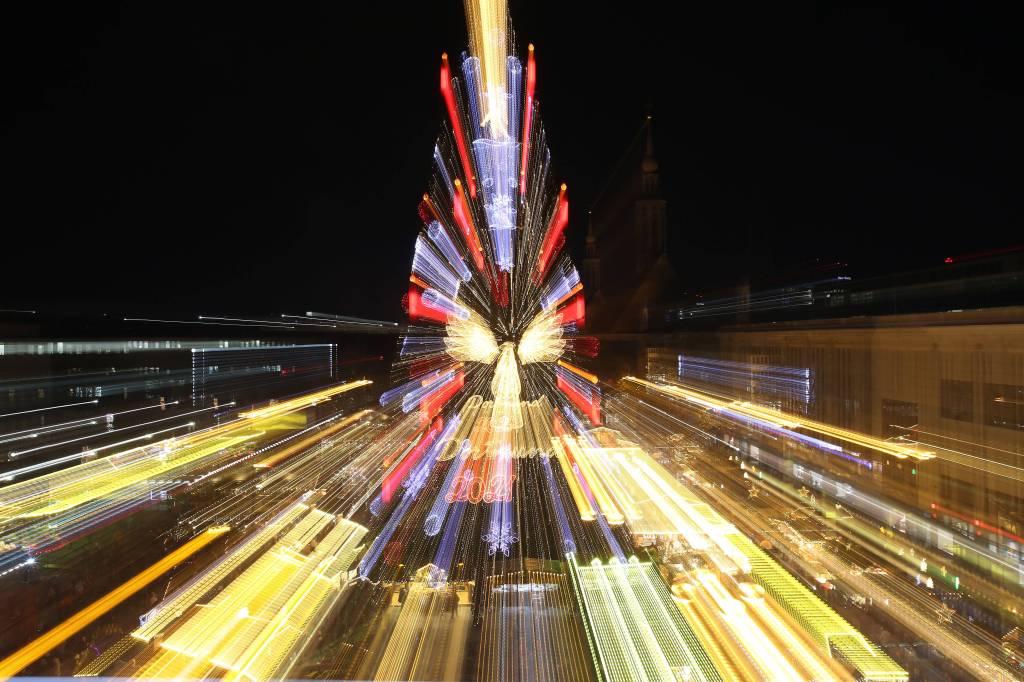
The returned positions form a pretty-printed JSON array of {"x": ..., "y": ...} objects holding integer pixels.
[
  {"x": 979, "y": 523},
  {"x": 453, "y": 115},
  {"x": 531, "y": 85},
  {"x": 584, "y": 345},
  {"x": 395, "y": 478},
  {"x": 427, "y": 211},
  {"x": 573, "y": 312},
  {"x": 588, "y": 406},
  {"x": 419, "y": 311},
  {"x": 554, "y": 239},
  {"x": 431, "y": 404},
  {"x": 464, "y": 218}
]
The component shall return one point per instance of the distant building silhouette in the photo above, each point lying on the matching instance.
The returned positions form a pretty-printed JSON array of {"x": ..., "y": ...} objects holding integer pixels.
[{"x": 626, "y": 267}]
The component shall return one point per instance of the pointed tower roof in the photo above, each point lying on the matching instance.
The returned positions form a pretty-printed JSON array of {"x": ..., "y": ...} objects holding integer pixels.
[
  {"x": 591, "y": 241},
  {"x": 650, "y": 163}
]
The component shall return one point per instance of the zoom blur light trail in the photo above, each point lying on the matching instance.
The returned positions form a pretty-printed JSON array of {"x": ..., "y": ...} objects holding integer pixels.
[
  {"x": 38, "y": 647},
  {"x": 469, "y": 522},
  {"x": 543, "y": 626},
  {"x": 130, "y": 427},
  {"x": 45, "y": 409},
  {"x": 108, "y": 416},
  {"x": 638, "y": 632},
  {"x": 301, "y": 445},
  {"x": 249, "y": 628},
  {"x": 781, "y": 421},
  {"x": 304, "y": 401},
  {"x": 50, "y": 463},
  {"x": 42, "y": 513},
  {"x": 65, "y": 489}
]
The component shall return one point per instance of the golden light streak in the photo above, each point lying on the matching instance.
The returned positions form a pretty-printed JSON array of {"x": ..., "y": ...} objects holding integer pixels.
[
  {"x": 66, "y": 489},
  {"x": 638, "y": 633},
  {"x": 479, "y": 439},
  {"x": 597, "y": 486},
  {"x": 612, "y": 472},
  {"x": 165, "y": 613},
  {"x": 96, "y": 667},
  {"x": 592, "y": 378},
  {"x": 827, "y": 628},
  {"x": 107, "y": 477},
  {"x": 487, "y": 21},
  {"x": 540, "y": 423},
  {"x": 809, "y": 660},
  {"x": 304, "y": 400},
  {"x": 38, "y": 647},
  {"x": 429, "y": 636},
  {"x": 728, "y": 656},
  {"x": 543, "y": 626},
  {"x": 586, "y": 510},
  {"x": 254, "y": 625},
  {"x": 279, "y": 457},
  {"x": 467, "y": 419},
  {"x": 765, "y": 654},
  {"x": 786, "y": 421}
]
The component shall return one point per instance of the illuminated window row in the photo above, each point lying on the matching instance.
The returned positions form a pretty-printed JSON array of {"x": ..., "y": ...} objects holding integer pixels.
[
  {"x": 531, "y": 611},
  {"x": 636, "y": 630}
]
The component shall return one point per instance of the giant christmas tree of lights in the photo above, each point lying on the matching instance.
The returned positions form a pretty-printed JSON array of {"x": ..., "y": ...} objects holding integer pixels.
[{"x": 491, "y": 367}]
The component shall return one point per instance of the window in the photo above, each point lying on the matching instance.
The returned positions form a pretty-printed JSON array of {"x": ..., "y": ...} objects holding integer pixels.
[
  {"x": 957, "y": 400},
  {"x": 1004, "y": 406}
]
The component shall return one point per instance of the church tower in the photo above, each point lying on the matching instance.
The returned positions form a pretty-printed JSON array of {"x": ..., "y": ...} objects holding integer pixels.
[
  {"x": 649, "y": 210},
  {"x": 592, "y": 262},
  {"x": 627, "y": 268}
]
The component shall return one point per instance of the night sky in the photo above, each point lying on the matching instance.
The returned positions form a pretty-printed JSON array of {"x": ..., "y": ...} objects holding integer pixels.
[{"x": 181, "y": 159}]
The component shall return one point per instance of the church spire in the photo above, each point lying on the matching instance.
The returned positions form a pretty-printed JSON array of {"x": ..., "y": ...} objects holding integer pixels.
[
  {"x": 591, "y": 237},
  {"x": 592, "y": 262},
  {"x": 649, "y": 166}
]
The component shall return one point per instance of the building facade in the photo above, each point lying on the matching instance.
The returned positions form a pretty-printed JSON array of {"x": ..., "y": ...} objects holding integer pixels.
[{"x": 951, "y": 383}]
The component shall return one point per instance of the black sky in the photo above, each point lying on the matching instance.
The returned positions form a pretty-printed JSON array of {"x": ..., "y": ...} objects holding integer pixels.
[{"x": 182, "y": 158}]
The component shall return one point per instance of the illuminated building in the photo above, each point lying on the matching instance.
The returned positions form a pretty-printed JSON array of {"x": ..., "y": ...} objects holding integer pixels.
[
  {"x": 532, "y": 611},
  {"x": 636, "y": 630},
  {"x": 948, "y": 383}
]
